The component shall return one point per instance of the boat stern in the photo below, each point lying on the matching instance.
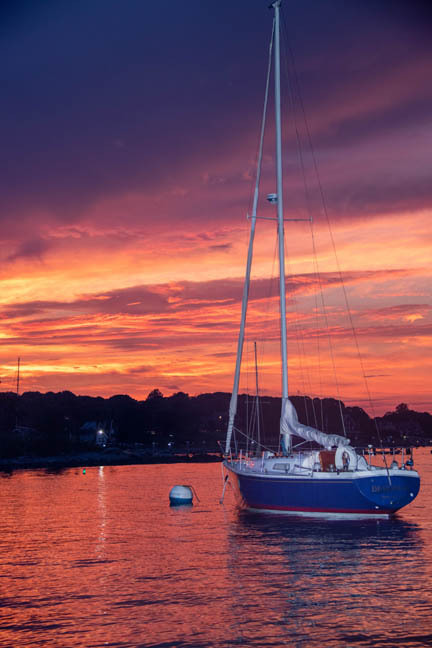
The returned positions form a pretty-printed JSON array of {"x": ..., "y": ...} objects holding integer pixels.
[{"x": 390, "y": 491}]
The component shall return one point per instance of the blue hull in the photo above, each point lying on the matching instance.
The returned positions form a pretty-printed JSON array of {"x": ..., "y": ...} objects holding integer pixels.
[{"x": 367, "y": 495}]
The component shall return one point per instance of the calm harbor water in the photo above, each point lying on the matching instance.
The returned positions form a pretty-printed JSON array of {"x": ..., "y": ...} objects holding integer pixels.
[{"x": 100, "y": 559}]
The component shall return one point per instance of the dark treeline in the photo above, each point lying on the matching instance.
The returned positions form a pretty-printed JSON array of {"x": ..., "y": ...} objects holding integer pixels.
[{"x": 56, "y": 423}]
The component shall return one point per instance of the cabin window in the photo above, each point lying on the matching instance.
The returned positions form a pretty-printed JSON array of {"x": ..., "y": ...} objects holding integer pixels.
[{"x": 285, "y": 467}]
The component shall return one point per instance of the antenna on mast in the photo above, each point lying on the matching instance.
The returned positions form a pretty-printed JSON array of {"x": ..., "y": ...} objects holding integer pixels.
[{"x": 18, "y": 377}]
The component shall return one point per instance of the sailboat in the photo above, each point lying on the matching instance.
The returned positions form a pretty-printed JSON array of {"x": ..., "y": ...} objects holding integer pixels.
[{"x": 330, "y": 478}]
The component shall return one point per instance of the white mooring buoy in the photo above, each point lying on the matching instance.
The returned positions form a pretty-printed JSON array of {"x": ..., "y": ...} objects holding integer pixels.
[{"x": 180, "y": 495}]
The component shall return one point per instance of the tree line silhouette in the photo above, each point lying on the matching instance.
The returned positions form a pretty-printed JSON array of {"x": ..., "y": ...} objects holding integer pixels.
[{"x": 52, "y": 423}]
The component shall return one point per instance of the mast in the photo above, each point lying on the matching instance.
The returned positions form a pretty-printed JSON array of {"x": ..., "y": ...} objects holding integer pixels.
[{"x": 283, "y": 328}]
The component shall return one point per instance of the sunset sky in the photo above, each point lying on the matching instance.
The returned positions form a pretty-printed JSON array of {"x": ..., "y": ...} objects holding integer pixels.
[{"x": 129, "y": 138}]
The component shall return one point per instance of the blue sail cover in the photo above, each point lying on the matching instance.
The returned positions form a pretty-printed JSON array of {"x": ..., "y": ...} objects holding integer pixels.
[{"x": 290, "y": 425}]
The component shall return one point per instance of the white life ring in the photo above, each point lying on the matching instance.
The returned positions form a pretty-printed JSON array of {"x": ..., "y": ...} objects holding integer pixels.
[{"x": 346, "y": 456}]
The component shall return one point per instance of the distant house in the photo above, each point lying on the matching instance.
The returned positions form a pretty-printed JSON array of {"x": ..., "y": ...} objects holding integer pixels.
[
  {"x": 98, "y": 434},
  {"x": 24, "y": 433}
]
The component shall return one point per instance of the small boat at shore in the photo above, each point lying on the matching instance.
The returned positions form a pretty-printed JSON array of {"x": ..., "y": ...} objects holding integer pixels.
[{"x": 330, "y": 478}]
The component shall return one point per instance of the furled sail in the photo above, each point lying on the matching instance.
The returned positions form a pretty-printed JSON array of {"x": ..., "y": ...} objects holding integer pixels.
[{"x": 291, "y": 425}]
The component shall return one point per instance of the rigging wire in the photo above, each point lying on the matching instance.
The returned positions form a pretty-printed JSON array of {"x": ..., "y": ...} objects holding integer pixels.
[
  {"x": 299, "y": 335},
  {"x": 303, "y": 365},
  {"x": 267, "y": 316},
  {"x": 234, "y": 395},
  {"x": 243, "y": 434},
  {"x": 327, "y": 219},
  {"x": 325, "y": 211},
  {"x": 292, "y": 96}
]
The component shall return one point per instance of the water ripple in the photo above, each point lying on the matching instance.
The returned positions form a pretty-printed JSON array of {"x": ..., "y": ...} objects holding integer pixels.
[{"x": 102, "y": 560}]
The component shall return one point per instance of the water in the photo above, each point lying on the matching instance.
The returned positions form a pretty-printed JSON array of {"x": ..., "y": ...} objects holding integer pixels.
[{"x": 100, "y": 559}]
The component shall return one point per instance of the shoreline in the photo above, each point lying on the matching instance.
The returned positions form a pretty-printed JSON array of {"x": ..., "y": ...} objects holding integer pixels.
[
  {"x": 94, "y": 459},
  {"x": 125, "y": 457}
]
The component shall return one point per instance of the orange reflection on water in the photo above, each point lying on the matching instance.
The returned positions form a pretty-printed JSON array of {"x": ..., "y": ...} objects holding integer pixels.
[{"x": 101, "y": 557}]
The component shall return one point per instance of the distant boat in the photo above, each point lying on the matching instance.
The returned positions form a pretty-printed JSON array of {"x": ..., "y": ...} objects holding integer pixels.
[{"x": 332, "y": 479}]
